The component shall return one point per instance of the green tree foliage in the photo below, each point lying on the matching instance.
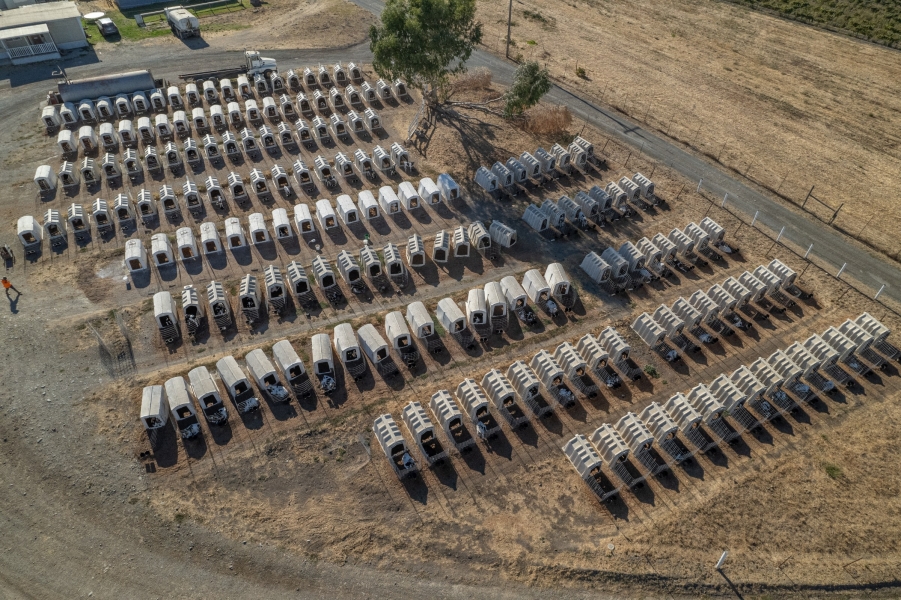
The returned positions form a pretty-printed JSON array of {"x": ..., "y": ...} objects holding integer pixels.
[
  {"x": 530, "y": 83},
  {"x": 424, "y": 42}
]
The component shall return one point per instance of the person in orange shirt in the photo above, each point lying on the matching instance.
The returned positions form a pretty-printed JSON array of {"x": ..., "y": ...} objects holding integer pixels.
[{"x": 8, "y": 285}]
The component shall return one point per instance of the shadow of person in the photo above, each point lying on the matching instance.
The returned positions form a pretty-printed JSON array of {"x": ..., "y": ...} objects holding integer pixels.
[{"x": 13, "y": 302}]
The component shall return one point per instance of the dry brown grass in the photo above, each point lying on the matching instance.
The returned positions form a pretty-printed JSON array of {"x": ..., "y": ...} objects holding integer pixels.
[
  {"x": 476, "y": 79},
  {"x": 786, "y": 105},
  {"x": 547, "y": 120}
]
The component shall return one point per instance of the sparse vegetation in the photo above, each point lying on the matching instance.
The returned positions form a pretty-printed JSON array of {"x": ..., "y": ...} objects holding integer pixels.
[
  {"x": 547, "y": 120},
  {"x": 651, "y": 371},
  {"x": 833, "y": 470},
  {"x": 875, "y": 21}
]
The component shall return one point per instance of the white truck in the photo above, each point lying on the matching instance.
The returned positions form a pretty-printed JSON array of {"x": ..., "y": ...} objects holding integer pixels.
[
  {"x": 254, "y": 64},
  {"x": 182, "y": 23}
]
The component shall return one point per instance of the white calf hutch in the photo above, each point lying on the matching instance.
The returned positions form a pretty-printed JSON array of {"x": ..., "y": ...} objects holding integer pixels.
[
  {"x": 65, "y": 139},
  {"x": 441, "y": 247},
  {"x": 496, "y": 303},
  {"x": 477, "y": 313},
  {"x": 502, "y": 235},
  {"x": 165, "y": 316},
  {"x": 692, "y": 318},
  {"x": 640, "y": 442},
  {"x": 688, "y": 421},
  {"x": 408, "y": 195},
  {"x": 348, "y": 349},
  {"x": 237, "y": 385},
  {"x": 135, "y": 256},
  {"x": 292, "y": 368},
  {"x": 265, "y": 376},
  {"x": 415, "y": 251},
  {"x": 733, "y": 400},
  {"x": 54, "y": 227},
  {"x": 828, "y": 357},
  {"x": 281, "y": 225},
  {"x": 575, "y": 367},
  {"x": 184, "y": 415},
  {"x": 791, "y": 373},
  {"x": 486, "y": 180},
  {"x": 448, "y": 187},
  {"x": 326, "y": 215},
  {"x": 450, "y": 419},
  {"x": 561, "y": 289},
  {"x": 192, "y": 309},
  {"x": 478, "y": 237},
  {"x": 259, "y": 234},
  {"x": 276, "y": 294},
  {"x": 102, "y": 218},
  {"x": 880, "y": 334},
  {"x": 460, "y": 240},
  {"x": 745, "y": 381},
  {"x": 517, "y": 300},
  {"x": 209, "y": 238},
  {"x": 399, "y": 337},
  {"x": 372, "y": 266},
  {"x": 527, "y": 386},
  {"x": 420, "y": 426},
  {"x": 161, "y": 250},
  {"x": 501, "y": 393},
  {"x": 587, "y": 463},
  {"x": 596, "y": 358},
  {"x": 186, "y": 244},
  {"x": 300, "y": 284},
  {"x": 250, "y": 299},
  {"x": 809, "y": 366},
  {"x": 654, "y": 335},
  {"x": 538, "y": 291},
  {"x": 535, "y": 218},
  {"x": 454, "y": 322},
  {"x": 618, "y": 351},
  {"x": 368, "y": 205},
  {"x": 394, "y": 446},
  {"x": 209, "y": 399},
  {"x": 614, "y": 452},
  {"x": 772, "y": 382},
  {"x": 77, "y": 222},
  {"x": 347, "y": 210},
  {"x": 350, "y": 271},
  {"x": 234, "y": 233},
  {"x": 674, "y": 327},
  {"x": 324, "y": 363},
  {"x": 325, "y": 278},
  {"x": 712, "y": 411},
  {"x": 474, "y": 402},
  {"x": 551, "y": 375},
  {"x": 664, "y": 429},
  {"x": 394, "y": 266},
  {"x": 303, "y": 220},
  {"x": 377, "y": 350},
  {"x": 423, "y": 327},
  {"x": 388, "y": 200}
]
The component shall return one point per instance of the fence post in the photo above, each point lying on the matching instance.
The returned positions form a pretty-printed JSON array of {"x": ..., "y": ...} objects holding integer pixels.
[
  {"x": 723, "y": 205},
  {"x": 806, "y": 254},
  {"x": 806, "y": 198},
  {"x": 719, "y": 563},
  {"x": 698, "y": 191},
  {"x": 756, "y": 212},
  {"x": 779, "y": 237},
  {"x": 835, "y": 214},
  {"x": 879, "y": 292},
  {"x": 840, "y": 271}
]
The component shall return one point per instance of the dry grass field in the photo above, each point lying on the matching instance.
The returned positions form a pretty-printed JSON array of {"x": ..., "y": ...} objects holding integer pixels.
[{"x": 784, "y": 104}]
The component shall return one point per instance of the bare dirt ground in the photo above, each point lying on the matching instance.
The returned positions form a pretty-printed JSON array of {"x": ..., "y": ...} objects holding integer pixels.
[
  {"x": 300, "y": 497},
  {"x": 274, "y": 24},
  {"x": 786, "y": 105}
]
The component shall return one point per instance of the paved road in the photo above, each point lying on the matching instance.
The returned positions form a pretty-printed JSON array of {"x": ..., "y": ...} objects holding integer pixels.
[{"x": 830, "y": 247}]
